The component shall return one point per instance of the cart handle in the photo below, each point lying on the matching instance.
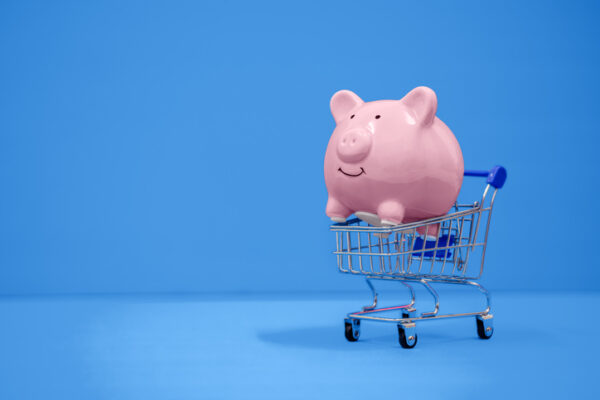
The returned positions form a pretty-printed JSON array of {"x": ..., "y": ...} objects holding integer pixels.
[{"x": 495, "y": 176}]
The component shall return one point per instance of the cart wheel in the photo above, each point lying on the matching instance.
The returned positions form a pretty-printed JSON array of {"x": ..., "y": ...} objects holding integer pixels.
[
  {"x": 407, "y": 336},
  {"x": 485, "y": 326},
  {"x": 352, "y": 329}
]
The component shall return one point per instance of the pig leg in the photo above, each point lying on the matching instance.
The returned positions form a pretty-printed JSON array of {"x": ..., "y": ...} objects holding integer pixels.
[
  {"x": 336, "y": 210},
  {"x": 391, "y": 212},
  {"x": 430, "y": 230}
]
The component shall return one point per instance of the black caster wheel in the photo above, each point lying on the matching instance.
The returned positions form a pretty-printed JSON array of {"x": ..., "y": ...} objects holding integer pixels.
[
  {"x": 352, "y": 330},
  {"x": 485, "y": 327},
  {"x": 407, "y": 336}
]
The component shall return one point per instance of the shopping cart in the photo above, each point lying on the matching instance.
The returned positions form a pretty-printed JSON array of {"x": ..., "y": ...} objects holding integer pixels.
[{"x": 400, "y": 253}]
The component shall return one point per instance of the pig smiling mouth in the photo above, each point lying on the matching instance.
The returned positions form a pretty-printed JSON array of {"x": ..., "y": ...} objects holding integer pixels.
[{"x": 362, "y": 171}]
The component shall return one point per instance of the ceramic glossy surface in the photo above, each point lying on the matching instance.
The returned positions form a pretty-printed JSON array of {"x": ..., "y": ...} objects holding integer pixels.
[{"x": 391, "y": 158}]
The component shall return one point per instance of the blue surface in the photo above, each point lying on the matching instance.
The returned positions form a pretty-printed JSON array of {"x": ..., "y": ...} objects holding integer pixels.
[
  {"x": 178, "y": 347},
  {"x": 138, "y": 138}
]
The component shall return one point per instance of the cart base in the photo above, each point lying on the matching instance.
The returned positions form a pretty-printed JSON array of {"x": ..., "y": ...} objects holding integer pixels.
[{"x": 408, "y": 313}]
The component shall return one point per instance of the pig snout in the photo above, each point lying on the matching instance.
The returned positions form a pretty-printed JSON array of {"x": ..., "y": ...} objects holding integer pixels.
[{"x": 354, "y": 146}]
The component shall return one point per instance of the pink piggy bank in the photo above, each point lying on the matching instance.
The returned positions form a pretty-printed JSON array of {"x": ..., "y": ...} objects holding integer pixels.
[{"x": 391, "y": 161}]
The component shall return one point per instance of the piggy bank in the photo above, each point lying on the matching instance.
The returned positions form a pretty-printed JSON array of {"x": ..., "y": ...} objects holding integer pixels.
[{"x": 391, "y": 161}]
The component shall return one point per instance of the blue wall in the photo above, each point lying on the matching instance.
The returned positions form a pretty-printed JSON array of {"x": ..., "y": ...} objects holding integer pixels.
[{"x": 178, "y": 146}]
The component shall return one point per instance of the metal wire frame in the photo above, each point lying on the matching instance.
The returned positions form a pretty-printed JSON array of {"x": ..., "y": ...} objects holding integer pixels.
[
  {"x": 389, "y": 253},
  {"x": 392, "y": 252},
  {"x": 372, "y": 313}
]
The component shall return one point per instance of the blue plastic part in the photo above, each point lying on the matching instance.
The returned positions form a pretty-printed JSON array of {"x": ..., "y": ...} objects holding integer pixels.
[
  {"x": 495, "y": 176},
  {"x": 444, "y": 241},
  {"x": 472, "y": 172}
]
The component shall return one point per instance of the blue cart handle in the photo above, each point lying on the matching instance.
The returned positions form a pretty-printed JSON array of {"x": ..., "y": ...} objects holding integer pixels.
[{"x": 495, "y": 176}]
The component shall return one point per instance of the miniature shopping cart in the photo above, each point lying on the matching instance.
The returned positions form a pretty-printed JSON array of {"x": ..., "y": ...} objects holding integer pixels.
[{"x": 401, "y": 253}]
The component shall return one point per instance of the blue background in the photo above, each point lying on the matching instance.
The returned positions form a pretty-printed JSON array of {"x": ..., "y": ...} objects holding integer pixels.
[
  {"x": 178, "y": 146},
  {"x": 162, "y": 225},
  {"x": 141, "y": 141}
]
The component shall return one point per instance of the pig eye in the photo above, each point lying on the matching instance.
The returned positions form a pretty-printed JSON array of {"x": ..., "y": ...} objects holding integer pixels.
[
  {"x": 377, "y": 116},
  {"x": 352, "y": 116}
]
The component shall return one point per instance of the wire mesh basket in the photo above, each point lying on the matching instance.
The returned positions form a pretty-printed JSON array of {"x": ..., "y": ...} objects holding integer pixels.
[{"x": 401, "y": 251}]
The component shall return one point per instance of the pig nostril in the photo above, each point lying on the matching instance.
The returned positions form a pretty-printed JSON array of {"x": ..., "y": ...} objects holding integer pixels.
[{"x": 353, "y": 146}]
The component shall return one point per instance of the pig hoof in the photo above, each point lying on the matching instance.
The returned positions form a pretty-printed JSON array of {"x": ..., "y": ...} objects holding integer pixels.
[
  {"x": 338, "y": 219},
  {"x": 385, "y": 222},
  {"x": 371, "y": 219}
]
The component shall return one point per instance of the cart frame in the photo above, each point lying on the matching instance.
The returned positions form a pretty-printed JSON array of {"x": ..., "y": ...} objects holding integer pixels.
[{"x": 399, "y": 253}]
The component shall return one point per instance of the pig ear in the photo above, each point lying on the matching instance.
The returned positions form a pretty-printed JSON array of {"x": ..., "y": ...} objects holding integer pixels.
[
  {"x": 422, "y": 104},
  {"x": 342, "y": 103}
]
